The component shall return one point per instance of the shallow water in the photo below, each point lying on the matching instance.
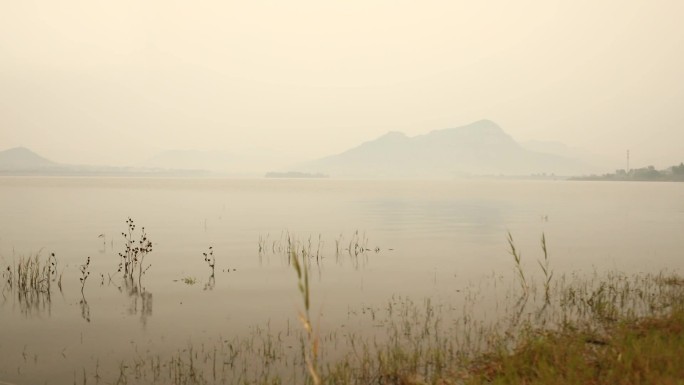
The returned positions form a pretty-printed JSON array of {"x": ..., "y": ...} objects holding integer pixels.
[{"x": 423, "y": 238}]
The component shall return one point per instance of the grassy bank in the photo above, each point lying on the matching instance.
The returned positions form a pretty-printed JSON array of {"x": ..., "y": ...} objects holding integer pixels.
[
  {"x": 599, "y": 329},
  {"x": 636, "y": 351},
  {"x": 611, "y": 329}
]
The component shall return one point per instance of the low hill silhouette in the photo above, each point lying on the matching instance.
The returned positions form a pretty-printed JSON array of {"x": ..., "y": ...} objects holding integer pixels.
[{"x": 480, "y": 148}]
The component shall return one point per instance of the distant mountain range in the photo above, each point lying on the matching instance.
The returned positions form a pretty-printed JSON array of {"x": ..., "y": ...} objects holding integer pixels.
[
  {"x": 245, "y": 162},
  {"x": 172, "y": 163},
  {"x": 22, "y": 161},
  {"x": 478, "y": 149}
]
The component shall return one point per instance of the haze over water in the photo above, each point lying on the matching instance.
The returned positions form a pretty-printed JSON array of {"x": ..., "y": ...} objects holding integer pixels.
[
  {"x": 219, "y": 92},
  {"x": 434, "y": 239},
  {"x": 116, "y": 83}
]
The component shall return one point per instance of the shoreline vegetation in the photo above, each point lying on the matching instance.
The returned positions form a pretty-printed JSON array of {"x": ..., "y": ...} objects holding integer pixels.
[
  {"x": 295, "y": 175},
  {"x": 18, "y": 162},
  {"x": 602, "y": 329},
  {"x": 574, "y": 328},
  {"x": 644, "y": 174}
]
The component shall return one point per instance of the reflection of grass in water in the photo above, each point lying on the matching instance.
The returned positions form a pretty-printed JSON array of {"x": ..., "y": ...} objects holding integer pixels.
[{"x": 573, "y": 330}]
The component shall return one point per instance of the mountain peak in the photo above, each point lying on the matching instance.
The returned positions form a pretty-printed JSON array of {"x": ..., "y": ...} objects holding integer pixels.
[
  {"x": 18, "y": 150},
  {"x": 478, "y": 148},
  {"x": 394, "y": 135},
  {"x": 485, "y": 123},
  {"x": 481, "y": 131},
  {"x": 22, "y": 157}
]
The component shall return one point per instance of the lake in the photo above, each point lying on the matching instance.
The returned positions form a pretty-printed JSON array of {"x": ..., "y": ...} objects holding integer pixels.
[{"x": 367, "y": 242}]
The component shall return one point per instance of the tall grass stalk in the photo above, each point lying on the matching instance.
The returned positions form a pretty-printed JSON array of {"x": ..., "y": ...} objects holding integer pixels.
[
  {"x": 517, "y": 257},
  {"x": 548, "y": 274},
  {"x": 300, "y": 265}
]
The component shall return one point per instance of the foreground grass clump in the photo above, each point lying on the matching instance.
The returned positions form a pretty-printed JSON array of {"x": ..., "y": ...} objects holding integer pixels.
[{"x": 644, "y": 351}]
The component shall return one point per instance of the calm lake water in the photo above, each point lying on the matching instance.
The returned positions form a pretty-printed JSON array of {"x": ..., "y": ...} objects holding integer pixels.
[{"x": 421, "y": 239}]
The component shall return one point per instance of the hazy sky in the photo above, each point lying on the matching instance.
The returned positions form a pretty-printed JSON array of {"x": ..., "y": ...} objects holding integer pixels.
[{"x": 118, "y": 81}]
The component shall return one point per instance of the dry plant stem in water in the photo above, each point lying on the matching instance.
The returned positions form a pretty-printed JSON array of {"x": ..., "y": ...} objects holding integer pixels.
[
  {"x": 210, "y": 259},
  {"x": 134, "y": 253},
  {"x": 311, "y": 359},
  {"x": 84, "y": 274}
]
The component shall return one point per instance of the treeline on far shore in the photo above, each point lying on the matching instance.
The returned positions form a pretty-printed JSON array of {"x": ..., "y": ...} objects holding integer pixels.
[{"x": 672, "y": 174}]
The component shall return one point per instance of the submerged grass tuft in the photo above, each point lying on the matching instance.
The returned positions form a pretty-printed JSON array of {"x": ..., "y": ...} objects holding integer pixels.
[{"x": 31, "y": 279}]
